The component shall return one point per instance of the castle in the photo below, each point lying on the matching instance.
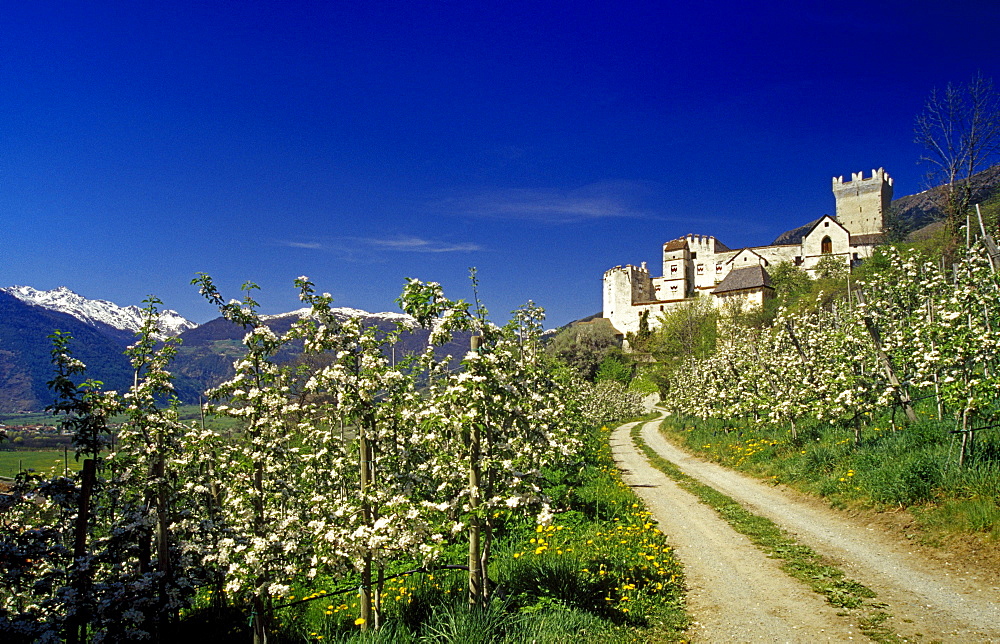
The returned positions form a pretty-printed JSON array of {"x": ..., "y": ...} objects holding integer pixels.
[{"x": 702, "y": 266}]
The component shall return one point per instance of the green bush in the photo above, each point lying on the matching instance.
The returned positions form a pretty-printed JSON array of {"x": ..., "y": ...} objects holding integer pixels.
[{"x": 614, "y": 367}]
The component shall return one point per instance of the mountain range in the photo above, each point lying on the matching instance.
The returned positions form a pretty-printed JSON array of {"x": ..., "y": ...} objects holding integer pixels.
[{"x": 102, "y": 330}]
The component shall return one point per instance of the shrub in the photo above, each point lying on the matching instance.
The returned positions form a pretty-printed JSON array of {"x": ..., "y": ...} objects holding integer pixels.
[{"x": 608, "y": 401}]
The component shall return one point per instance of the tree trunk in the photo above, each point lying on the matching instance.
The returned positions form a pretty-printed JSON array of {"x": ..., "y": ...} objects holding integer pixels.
[
  {"x": 76, "y": 628},
  {"x": 260, "y": 613},
  {"x": 364, "y": 453}
]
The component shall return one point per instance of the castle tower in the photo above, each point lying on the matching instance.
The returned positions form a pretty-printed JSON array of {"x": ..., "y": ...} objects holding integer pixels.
[
  {"x": 625, "y": 286},
  {"x": 863, "y": 203}
]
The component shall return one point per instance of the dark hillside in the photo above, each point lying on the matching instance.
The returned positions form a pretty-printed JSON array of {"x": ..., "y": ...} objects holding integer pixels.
[
  {"x": 206, "y": 355},
  {"x": 913, "y": 212},
  {"x": 25, "y": 353}
]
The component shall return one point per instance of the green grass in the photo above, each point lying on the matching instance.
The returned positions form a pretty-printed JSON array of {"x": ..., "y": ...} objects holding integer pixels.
[
  {"x": 192, "y": 413},
  {"x": 48, "y": 462},
  {"x": 799, "y": 561},
  {"x": 894, "y": 466},
  {"x": 184, "y": 412},
  {"x": 643, "y": 384},
  {"x": 32, "y": 418}
]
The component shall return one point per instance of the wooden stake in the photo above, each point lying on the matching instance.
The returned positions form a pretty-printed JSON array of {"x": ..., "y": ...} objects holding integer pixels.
[{"x": 475, "y": 480}]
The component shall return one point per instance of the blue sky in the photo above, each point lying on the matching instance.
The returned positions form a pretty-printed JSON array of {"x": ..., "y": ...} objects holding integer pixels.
[{"x": 360, "y": 143}]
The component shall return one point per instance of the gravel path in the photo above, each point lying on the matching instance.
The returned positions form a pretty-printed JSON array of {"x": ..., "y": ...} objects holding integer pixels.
[
  {"x": 735, "y": 592},
  {"x": 928, "y": 601}
]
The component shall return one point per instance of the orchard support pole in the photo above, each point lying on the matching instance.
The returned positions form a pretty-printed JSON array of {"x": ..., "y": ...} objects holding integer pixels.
[
  {"x": 364, "y": 453},
  {"x": 476, "y": 572}
]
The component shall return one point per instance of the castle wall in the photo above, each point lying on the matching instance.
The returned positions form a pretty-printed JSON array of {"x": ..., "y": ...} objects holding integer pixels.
[
  {"x": 695, "y": 264},
  {"x": 676, "y": 280},
  {"x": 750, "y": 297},
  {"x": 708, "y": 261},
  {"x": 665, "y": 288},
  {"x": 777, "y": 254}
]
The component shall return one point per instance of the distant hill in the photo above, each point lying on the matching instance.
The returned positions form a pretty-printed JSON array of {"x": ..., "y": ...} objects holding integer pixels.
[
  {"x": 206, "y": 355},
  {"x": 914, "y": 212}
]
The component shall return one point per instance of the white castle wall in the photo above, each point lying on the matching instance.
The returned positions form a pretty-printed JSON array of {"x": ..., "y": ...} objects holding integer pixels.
[{"x": 695, "y": 264}]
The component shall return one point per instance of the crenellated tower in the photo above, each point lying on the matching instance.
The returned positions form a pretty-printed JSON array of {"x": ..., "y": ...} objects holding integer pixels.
[
  {"x": 625, "y": 286},
  {"x": 863, "y": 203}
]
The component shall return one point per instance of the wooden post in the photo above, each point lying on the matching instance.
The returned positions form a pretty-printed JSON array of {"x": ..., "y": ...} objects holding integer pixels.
[
  {"x": 475, "y": 480},
  {"x": 965, "y": 437},
  {"x": 379, "y": 586}
]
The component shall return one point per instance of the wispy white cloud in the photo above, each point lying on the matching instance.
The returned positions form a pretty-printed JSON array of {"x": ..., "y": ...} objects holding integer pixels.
[
  {"x": 354, "y": 246},
  {"x": 616, "y": 199},
  {"x": 294, "y": 244},
  {"x": 418, "y": 245}
]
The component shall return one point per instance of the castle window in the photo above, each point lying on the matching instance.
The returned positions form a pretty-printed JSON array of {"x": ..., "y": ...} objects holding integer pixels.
[
  {"x": 718, "y": 268},
  {"x": 673, "y": 287},
  {"x": 798, "y": 261},
  {"x": 701, "y": 268},
  {"x": 694, "y": 255},
  {"x": 826, "y": 224},
  {"x": 826, "y": 246},
  {"x": 673, "y": 269}
]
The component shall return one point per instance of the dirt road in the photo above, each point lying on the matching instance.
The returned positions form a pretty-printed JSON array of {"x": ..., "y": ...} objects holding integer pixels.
[{"x": 737, "y": 594}]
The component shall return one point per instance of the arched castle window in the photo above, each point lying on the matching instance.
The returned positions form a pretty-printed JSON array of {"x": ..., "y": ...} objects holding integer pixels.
[{"x": 826, "y": 246}]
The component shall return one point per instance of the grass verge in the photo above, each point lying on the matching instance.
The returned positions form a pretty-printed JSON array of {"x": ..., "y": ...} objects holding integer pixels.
[
  {"x": 912, "y": 466},
  {"x": 799, "y": 561},
  {"x": 46, "y": 462}
]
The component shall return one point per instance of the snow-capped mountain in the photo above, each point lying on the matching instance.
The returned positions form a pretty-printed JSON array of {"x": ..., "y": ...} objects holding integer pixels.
[
  {"x": 98, "y": 312},
  {"x": 101, "y": 330},
  {"x": 347, "y": 312}
]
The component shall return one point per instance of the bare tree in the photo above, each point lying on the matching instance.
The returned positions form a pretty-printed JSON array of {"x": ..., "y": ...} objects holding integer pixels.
[{"x": 959, "y": 129}]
